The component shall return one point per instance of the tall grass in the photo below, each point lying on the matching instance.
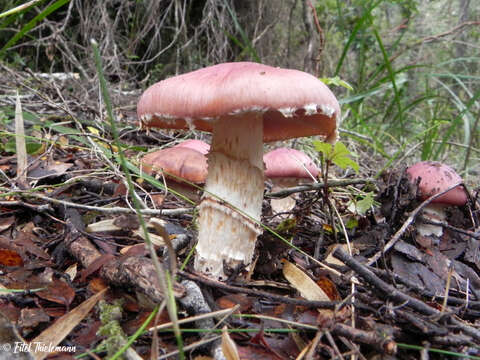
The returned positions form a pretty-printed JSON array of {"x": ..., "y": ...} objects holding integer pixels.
[
  {"x": 11, "y": 14},
  {"x": 400, "y": 101}
]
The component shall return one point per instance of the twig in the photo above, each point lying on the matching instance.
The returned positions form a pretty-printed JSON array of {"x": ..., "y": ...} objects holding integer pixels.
[
  {"x": 355, "y": 134},
  {"x": 265, "y": 294},
  {"x": 451, "y": 31},
  {"x": 38, "y": 208},
  {"x": 317, "y": 186},
  {"x": 380, "y": 340},
  {"x": 475, "y": 235},
  {"x": 213, "y": 314},
  {"x": 407, "y": 223},
  {"x": 425, "y": 292},
  {"x": 191, "y": 346},
  {"x": 107, "y": 210}
]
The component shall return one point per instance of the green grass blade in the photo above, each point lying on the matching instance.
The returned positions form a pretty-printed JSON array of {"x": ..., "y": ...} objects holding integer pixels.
[
  {"x": 358, "y": 26},
  {"x": 246, "y": 41},
  {"x": 31, "y": 24},
  {"x": 20, "y": 8}
]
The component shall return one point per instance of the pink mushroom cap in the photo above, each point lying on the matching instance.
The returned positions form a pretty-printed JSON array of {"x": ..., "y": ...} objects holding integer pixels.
[
  {"x": 181, "y": 162},
  {"x": 293, "y": 103},
  {"x": 289, "y": 163},
  {"x": 437, "y": 177},
  {"x": 198, "y": 145}
]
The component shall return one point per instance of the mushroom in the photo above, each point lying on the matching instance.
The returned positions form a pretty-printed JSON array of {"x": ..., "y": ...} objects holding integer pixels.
[
  {"x": 243, "y": 104},
  {"x": 178, "y": 163},
  {"x": 434, "y": 178},
  {"x": 288, "y": 167},
  {"x": 199, "y": 145}
]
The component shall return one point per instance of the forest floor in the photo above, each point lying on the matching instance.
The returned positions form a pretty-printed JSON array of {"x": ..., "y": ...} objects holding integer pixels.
[{"x": 343, "y": 273}]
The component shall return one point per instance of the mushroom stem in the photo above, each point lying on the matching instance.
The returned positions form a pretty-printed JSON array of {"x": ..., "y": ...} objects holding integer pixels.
[
  {"x": 435, "y": 212},
  {"x": 232, "y": 200}
]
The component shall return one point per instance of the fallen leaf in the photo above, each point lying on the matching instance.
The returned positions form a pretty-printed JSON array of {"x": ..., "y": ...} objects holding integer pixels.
[
  {"x": 6, "y": 222},
  {"x": 30, "y": 318},
  {"x": 283, "y": 205},
  {"x": 329, "y": 288},
  {"x": 71, "y": 271},
  {"x": 10, "y": 258},
  {"x": 303, "y": 283},
  {"x": 58, "y": 292},
  {"x": 229, "y": 348},
  {"x": 97, "y": 284},
  {"x": 95, "y": 265},
  {"x": 48, "y": 169},
  {"x": 229, "y": 301},
  {"x": 60, "y": 329},
  {"x": 24, "y": 240},
  {"x": 306, "y": 286}
]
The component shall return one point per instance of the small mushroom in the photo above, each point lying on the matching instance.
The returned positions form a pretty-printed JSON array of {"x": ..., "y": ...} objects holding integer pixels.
[
  {"x": 434, "y": 178},
  {"x": 199, "y": 145},
  {"x": 287, "y": 167},
  {"x": 243, "y": 104},
  {"x": 178, "y": 163}
]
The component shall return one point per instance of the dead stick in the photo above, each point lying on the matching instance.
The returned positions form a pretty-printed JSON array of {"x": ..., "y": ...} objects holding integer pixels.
[
  {"x": 384, "y": 342},
  {"x": 317, "y": 186},
  {"x": 265, "y": 294},
  {"x": 105, "y": 210}
]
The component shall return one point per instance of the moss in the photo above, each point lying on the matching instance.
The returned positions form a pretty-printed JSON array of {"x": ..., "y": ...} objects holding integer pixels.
[{"x": 110, "y": 316}]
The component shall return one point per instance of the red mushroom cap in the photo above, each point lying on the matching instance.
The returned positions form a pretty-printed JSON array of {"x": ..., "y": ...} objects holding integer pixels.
[
  {"x": 289, "y": 163},
  {"x": 293, "y": 103},
  {"x": 437, "y": 177},
  {"x": 198, "y": 145},
  {"x": 182, "y": 162}
]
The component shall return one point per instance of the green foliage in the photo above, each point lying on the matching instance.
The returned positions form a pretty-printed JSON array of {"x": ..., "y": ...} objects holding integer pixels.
[
  {"x": 336, "y": 81},
  {"x": 30, "y": 25},
  {"x": 337, "y": 154},
  {"x": 400, "y": 97},
  {"x": 365, "y": 203},
  {"x": 32, "y": 146}
]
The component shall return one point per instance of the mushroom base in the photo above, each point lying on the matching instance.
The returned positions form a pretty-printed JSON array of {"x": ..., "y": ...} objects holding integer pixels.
[{"x": 232, "y": 201}]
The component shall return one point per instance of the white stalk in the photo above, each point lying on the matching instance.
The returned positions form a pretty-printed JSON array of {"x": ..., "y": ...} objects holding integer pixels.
[{"x": 234, "y": 187}]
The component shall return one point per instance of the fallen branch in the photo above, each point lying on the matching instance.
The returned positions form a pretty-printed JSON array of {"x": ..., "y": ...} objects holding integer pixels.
[
  {"x": 382, "y": 341},
  {"x": 317, "y": 186},
  {"x": 133, "y": 271},
  {"x": 106, "y": 210}
]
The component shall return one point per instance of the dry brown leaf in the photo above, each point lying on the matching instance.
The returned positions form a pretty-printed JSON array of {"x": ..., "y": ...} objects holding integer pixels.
[
  {"x": 58, "y": 292},
  {"x": 329, "y": 288},
  {"x": 306, "y": 286},
  {"x": 332, "y": 260},
  {"x": 10, "y": 258},
  {"x": 6, "y": 222},
  {"x": 303, "y": 283},
  {"x": 71, "y": 271},
  {"x": 21, "y": 148},
  {"x": 48, "y": 169},
  {"x": 54, "y": 334},
  {"x": 229, "y": 348}
]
